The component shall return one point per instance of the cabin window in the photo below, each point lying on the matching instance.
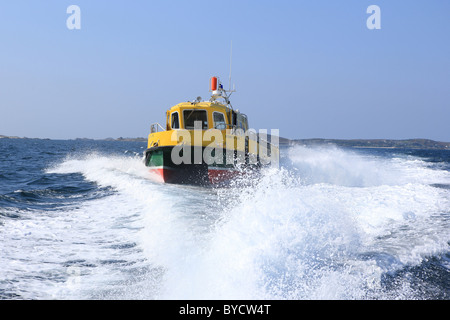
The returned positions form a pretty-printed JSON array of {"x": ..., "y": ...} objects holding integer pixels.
[
  {"x": 175, "y": 124},
  {"x": 190, "y": 116},
  {"x": 242, "y": 122},
  {"x": 219, "y": 120}
]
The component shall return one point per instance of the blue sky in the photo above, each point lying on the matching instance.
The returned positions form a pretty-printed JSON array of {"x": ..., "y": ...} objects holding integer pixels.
[{"x": 311, "y": 69}]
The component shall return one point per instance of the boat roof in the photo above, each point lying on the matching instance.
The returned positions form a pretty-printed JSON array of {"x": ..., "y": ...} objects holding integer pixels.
[{"x": 200, "y": 105}]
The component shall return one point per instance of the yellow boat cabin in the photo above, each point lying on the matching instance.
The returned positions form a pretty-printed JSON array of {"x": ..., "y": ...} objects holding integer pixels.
[{"x": 204, "y": 142}]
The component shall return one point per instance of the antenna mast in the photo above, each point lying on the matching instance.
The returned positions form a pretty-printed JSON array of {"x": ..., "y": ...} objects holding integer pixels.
[
  {"x": 216, "y": 86},
  {"x": 231, "y": 59}
]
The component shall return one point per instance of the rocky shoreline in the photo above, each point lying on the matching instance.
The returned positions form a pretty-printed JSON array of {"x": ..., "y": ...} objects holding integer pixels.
[
  {"x": 375, "y": 143},
  {"x": 79, "y": 139},
  {"x": 351, "y": 143}
]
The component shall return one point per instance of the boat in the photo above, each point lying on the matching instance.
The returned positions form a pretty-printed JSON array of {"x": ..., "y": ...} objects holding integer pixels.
[{"x": 206, "y": 142}]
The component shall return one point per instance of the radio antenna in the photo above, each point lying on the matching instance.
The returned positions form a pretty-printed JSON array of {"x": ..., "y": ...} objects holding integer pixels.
[
  {"x": 216, "y": 86},
  {"x": 231, "y": 59}
]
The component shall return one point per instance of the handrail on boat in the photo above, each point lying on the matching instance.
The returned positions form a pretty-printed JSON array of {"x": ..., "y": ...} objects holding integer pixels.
[{"x": 154, "y": 127}]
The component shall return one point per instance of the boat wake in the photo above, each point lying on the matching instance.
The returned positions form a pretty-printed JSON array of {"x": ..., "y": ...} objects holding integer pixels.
[{"x": 328, "y": 224}]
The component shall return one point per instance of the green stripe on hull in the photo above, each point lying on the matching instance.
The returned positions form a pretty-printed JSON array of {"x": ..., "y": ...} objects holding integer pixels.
[
  {"x": 162, "y": 156},
  {"x": 155, "y": 159}
]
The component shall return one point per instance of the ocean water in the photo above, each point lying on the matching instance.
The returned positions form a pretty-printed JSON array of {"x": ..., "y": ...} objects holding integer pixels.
[{"x": 85, "y": 220}]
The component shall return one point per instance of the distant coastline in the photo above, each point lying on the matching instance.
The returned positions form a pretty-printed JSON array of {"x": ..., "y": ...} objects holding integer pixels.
[
  {"x": 350, "y": 143},
  {"x": 371, "y": 143},
  {"x": 79, "y": 139},
  {"x": 115, "y": 139}
]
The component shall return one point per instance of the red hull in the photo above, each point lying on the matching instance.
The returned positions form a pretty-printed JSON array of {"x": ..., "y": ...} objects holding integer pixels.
[
  {"x": 222, "y": 175},
  {"x": 214, "y": 175}
]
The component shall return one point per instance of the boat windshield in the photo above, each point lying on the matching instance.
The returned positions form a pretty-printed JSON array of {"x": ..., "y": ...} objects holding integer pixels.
[
  {"x": 190, "y": 116},
  {"x": 242, "y": 121},
  {"x": 175, "y": 121},
  {"x": 219, "y": 120}
]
